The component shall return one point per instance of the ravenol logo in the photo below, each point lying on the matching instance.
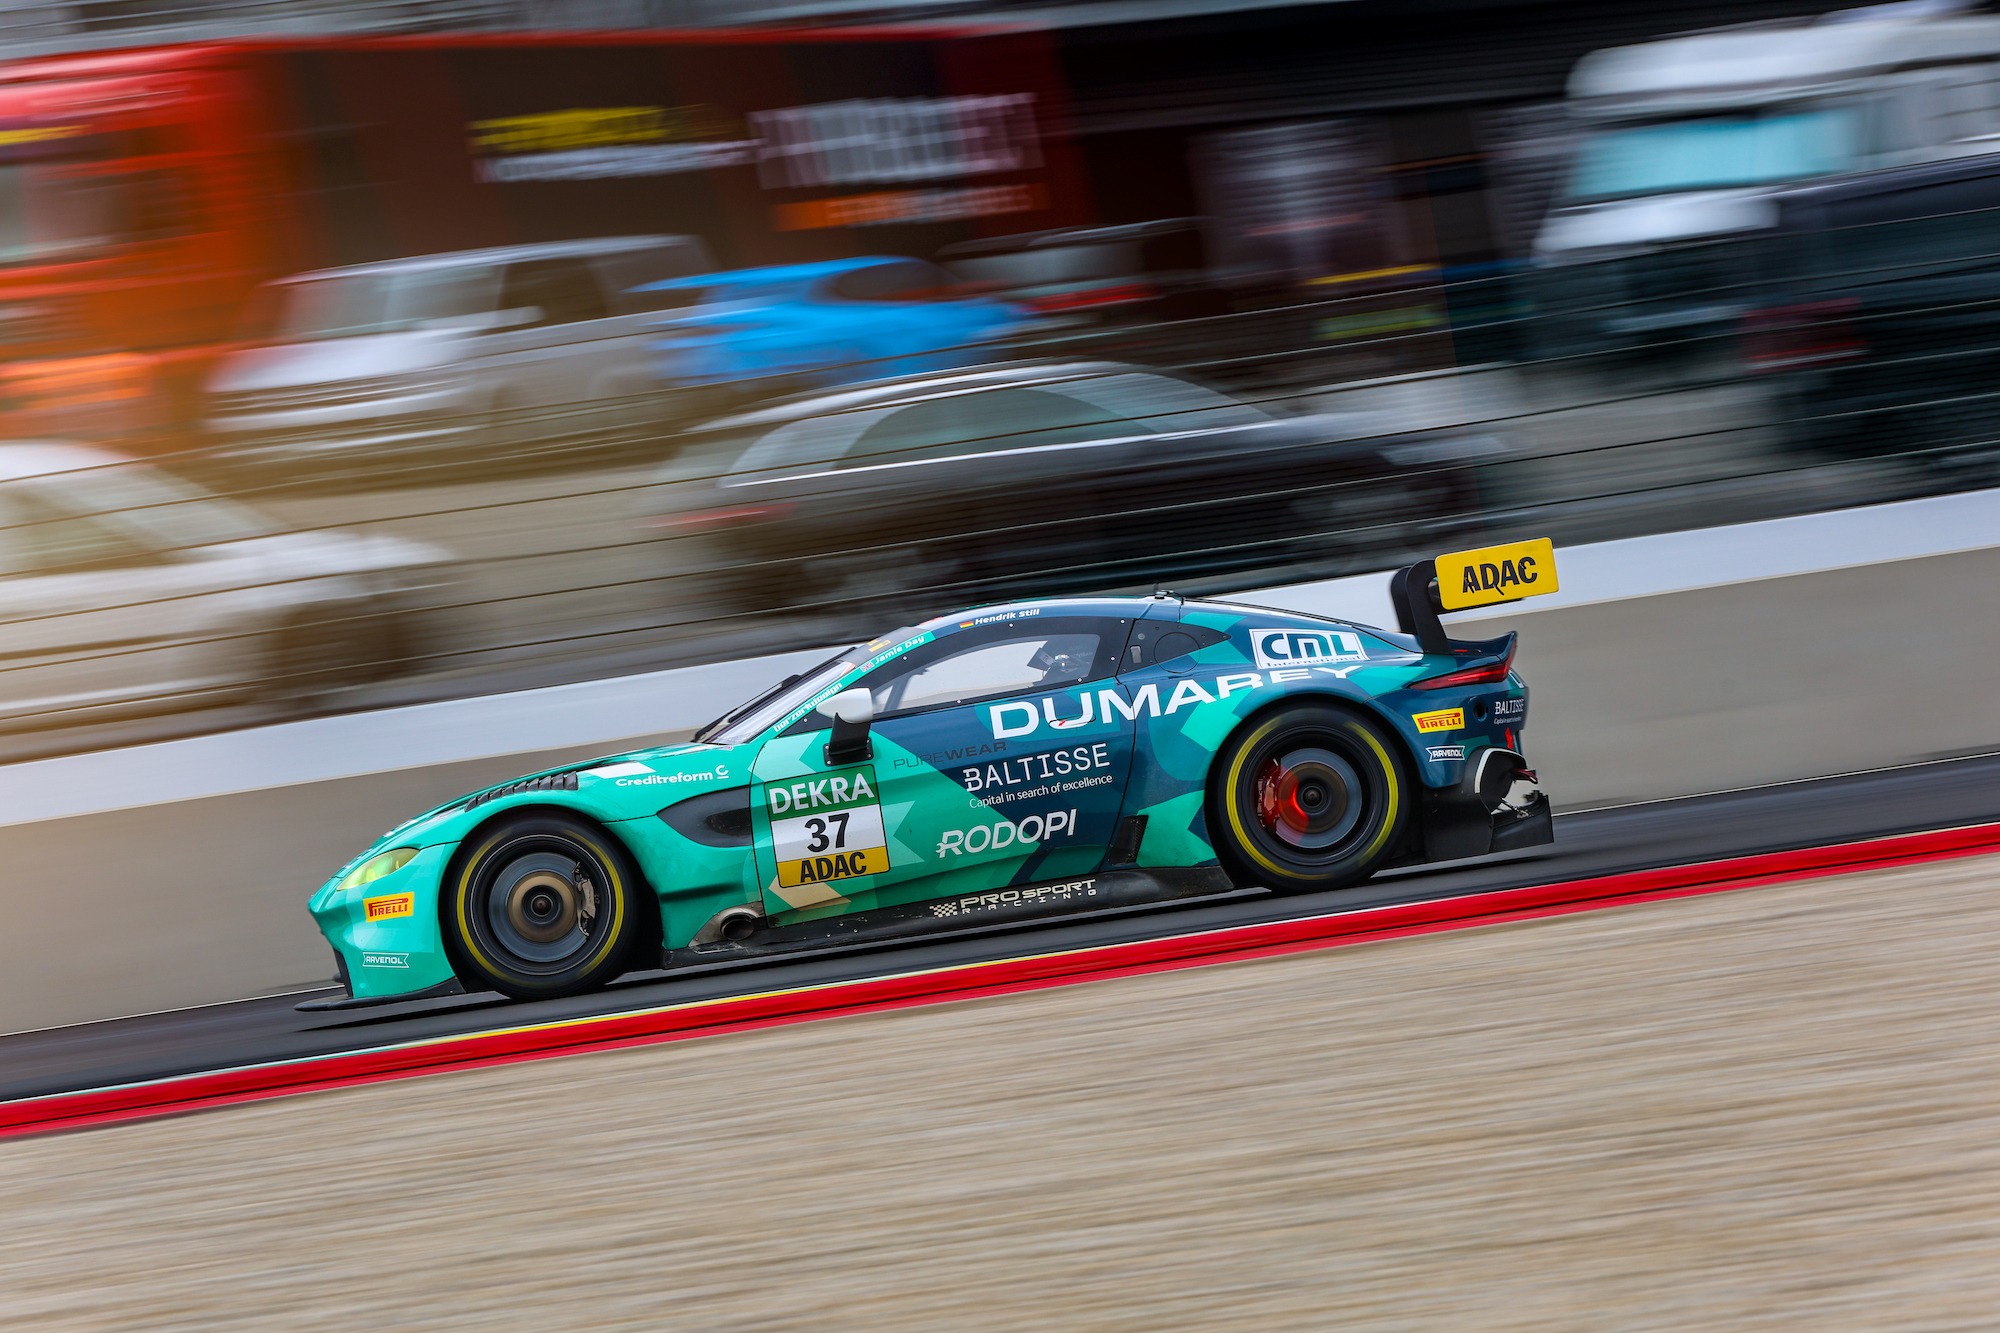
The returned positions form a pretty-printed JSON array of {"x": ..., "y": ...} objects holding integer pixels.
[{"x": 1305, "y": 647}]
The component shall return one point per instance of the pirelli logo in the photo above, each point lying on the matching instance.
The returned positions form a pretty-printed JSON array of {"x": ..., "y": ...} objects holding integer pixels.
[
  {"x": 389, "y": 907},
  {"x": 1444, "y": 719},
  {"x": 1495, "y": 574}
]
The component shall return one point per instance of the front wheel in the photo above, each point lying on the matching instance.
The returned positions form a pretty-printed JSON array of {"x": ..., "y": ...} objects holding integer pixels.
[
  {"x": 543, "y": 905},
  {"x": 1308, "y": 798}
]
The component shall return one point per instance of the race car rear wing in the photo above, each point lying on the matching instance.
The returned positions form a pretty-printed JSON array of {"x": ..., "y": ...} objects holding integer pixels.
[{"x": 1489, "y": 576}]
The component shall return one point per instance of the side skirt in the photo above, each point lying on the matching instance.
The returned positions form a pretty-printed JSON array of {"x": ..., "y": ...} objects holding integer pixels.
[{"x": 937, "y": 916}]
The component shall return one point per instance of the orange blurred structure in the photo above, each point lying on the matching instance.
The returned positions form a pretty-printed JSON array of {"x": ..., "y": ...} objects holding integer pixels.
[{"x": 145, "y": 194}]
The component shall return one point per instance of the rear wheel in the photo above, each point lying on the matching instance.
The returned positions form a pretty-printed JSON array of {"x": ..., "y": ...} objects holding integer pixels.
[
  {"x": 1308, "y": 798},
  {"x": 543, "y": 905}
]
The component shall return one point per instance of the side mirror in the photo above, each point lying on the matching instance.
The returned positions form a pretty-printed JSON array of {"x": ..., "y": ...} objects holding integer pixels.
[
  {"x": 855, "y": 705},
  {"x": 851, "y": 711}
]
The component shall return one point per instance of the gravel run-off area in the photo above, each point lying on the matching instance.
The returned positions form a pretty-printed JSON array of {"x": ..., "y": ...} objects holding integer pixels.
[{"x": 1774, "y": 1108}]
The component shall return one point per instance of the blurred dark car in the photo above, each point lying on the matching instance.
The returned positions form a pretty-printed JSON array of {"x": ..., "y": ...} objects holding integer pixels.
[
  {"x": 1137, "y": 272},
  {"x": 1884, "y": 324},
  {"x": 1048, "y": 477}
]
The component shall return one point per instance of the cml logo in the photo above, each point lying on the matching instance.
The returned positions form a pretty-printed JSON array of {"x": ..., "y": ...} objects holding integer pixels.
[{"x": 1305, "y": 647}]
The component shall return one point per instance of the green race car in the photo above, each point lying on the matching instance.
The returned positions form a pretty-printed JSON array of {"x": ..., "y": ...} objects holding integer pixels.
[{"x": 1003, "y": 763}]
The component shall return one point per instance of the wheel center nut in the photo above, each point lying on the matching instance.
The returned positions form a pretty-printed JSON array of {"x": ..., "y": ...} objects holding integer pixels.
[{"x": 543, "y": 907}]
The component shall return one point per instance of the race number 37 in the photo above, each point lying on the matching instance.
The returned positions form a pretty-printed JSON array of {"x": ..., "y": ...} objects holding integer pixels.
[{"x": 827, "y": 827}]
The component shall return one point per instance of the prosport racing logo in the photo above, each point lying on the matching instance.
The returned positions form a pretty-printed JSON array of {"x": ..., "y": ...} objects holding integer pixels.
[
  {"x": 1305, "y": 647},
  {"x": 1074, "y": 890}
]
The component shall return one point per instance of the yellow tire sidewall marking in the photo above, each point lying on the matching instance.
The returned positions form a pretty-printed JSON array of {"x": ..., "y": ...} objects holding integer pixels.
[
  {"x": 462, "y": 901},
  {"x": 1233, "y": 806}
]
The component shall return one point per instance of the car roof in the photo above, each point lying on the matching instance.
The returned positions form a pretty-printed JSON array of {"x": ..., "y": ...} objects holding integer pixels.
[
  {"x": 1059, "y": 237},
  {"x": 496, "y": 254},
  {"x": 906, "y": 389},
  {"x": 1764, "y": 62},
  {"x": 1126, "y": 607},
  {"x": 22, "y": 459}
]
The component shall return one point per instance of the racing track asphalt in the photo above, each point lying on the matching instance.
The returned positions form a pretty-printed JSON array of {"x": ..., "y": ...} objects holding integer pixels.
[{"x": 1769, "y": 819}]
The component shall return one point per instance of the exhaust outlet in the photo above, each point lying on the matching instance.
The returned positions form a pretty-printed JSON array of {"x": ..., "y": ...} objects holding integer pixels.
[{"x": 732, "y": 925}]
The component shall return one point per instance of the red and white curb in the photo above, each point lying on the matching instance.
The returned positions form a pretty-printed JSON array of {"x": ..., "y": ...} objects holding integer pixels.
[{"x": 739, "y": 1013}]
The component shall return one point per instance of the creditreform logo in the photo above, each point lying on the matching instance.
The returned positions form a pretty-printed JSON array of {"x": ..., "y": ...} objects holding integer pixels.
[{"x": 1305, "y": 647}]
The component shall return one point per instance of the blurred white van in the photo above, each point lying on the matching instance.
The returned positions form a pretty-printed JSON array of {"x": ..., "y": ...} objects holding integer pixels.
[
  {"x": 124, "y": 589},
  {"x": 469, "y": 350},
  {"x": 1684, "y": 142}
]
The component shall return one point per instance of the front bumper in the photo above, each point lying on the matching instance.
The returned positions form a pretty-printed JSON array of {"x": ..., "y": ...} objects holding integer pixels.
[
  {"x": 396, "y": 950},
  {"x": 348, "y": 1000}
]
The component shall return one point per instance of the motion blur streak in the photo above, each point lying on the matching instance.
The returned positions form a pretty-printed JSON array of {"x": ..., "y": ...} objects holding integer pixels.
[
  {"x": 1704, "y": 1107},
  {"x": 610, "y": 1032},
  {"x": 408, "y": 353}
]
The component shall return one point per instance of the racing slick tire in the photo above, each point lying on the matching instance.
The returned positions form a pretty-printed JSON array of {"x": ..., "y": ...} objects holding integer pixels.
[
  {"x": 541, "y": 905},
  {"x": 1308, "y": 798}
]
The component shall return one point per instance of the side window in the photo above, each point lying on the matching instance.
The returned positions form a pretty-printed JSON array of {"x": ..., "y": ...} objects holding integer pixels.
[
  {"x": 53, "y": 541},
  {"x": 1013, "y": 666},
  {"x": 1018, "y": 418},
  {"x": 621, "y": 271},
  {"x": 1963, "y": 104},
  {"x": 1918, "y": 230},
  {"x": 13, "y": 552},
  {"x": 931, "y": 429},
  {"x": 1160, "y": 402},
  {"x": 564, "y": 290},
  {"x": 992, "y": 662},
  {"x": 906, "y": 280},
  {"x": 1157, "y": 641},
  {"x": 810, "y": 442},
  {"x": 978, "y": 423}
]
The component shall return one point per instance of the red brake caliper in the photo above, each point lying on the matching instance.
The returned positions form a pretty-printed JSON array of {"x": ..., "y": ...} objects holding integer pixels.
[{"x": 1267, "y": 795}]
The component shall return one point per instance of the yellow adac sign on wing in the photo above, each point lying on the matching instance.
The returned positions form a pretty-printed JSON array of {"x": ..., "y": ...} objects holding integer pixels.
[{"x": 1496, "y": 574}]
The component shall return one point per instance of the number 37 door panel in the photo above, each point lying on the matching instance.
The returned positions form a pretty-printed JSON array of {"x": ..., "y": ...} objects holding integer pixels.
[{"x": 955, "y": 797}]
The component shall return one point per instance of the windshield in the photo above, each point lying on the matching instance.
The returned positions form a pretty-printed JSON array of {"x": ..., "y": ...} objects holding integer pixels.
[
  {"x": 48, "y": 211},
  {"x": 748, "y": 720},
  {"x": 352, "y": 304},
  {"x": 1714, "y": 152}
]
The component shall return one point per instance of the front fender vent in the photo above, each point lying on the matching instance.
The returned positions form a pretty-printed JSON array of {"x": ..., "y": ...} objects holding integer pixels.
[
  {"x": 714, "y": 818},
  {"x": 546, "y": 782}
]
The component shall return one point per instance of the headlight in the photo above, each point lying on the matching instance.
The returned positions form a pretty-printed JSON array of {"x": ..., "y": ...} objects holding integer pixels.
[{"x": 374, "y": 868}]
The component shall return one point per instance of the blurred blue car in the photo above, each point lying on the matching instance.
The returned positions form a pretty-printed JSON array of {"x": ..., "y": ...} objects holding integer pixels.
[{"x": 841, "y": 321}]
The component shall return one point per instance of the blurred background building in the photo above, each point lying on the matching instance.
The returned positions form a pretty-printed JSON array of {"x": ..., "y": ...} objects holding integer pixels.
[{"x": 605, "y": 306}]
